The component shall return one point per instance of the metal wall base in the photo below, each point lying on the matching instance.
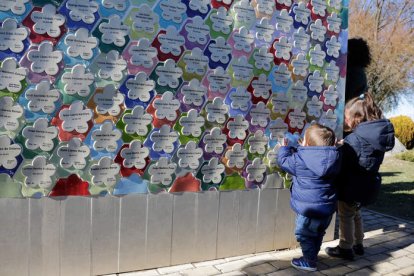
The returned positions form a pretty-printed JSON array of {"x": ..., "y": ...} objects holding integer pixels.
[{"x": 92, "y": 236}]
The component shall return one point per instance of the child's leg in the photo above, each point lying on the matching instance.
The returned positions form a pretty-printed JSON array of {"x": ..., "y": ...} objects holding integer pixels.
[
  {"x": 346, "y": 213},
  {"x": 321, "y": 227},
  {"x": 306, "y": 238},
  {"x": 309, "y": 233},
  {"x": 359, "y": 227}
]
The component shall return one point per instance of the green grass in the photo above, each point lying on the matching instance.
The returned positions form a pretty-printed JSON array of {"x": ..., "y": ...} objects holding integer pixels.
[
  {"x": 397, "y": 192},
  {"x": 407, "y": 156}
]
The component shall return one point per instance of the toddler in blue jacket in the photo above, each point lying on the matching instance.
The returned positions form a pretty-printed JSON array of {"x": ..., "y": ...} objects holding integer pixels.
[{"x": 314, "y": 166}]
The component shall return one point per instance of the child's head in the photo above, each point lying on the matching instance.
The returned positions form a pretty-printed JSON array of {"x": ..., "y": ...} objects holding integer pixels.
[
  {"x": 361, "y": 109},
  {"x": 319, "y": 135}
]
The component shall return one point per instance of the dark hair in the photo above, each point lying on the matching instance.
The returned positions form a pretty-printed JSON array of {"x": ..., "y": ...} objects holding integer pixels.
[
  {"x": 319, "y": 135},
  {"x": 361, "y": 109},
  {"x": 358, "y": 53}
]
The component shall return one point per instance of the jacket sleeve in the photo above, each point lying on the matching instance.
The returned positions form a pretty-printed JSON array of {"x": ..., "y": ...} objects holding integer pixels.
[
  {"x": 286, "y": 158},
  {"x": 352, "y": 145},
  {"x": 349, "y": 164}
]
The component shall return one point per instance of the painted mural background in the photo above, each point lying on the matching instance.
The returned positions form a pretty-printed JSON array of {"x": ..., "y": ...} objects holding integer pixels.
[{"x": 118, "y": 97}]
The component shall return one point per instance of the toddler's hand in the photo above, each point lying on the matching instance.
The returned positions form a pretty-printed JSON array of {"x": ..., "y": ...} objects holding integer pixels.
[{"x": 340, "y": 142}]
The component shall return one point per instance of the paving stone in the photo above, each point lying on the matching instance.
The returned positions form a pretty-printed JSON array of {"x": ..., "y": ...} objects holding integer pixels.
[
  {"x": 370, "y": 222},
  {"x": 383, "y": 219},
  {"x": 321, "y": 266},
  {"x": 200, "y": 271},
  {"x": 399, "y": 234},
  {"x": 363, "y": 272},
  {"x": 358, "y": 264},
  {"x": 260, "y": 258},
  {"x": 152, "y": 272},
  {"x": 372, "y": 227},
  {"x": 334, "y": 261},
  {"x": 373, "y": 233},
  {"x": 290, "y": 271},
  {"x": 329, "y": 244},
  {"x": 409, "y": 271},
  {"x": 259, "y": 269},
  {"x": 172, "y": 269},
  {"x": 233, "y": 273},
  {"x": 212, "y": 262},
  {"x": 384, "y": 267},
  {"x": 406, "y": 241},
  {"x": 231, "y": 266},
  {"x": 410, "y": 248},
  {"x": 281, "y": 264},
  {"x": 316, "y": 273},
  {"x": 391, "y": 245},
  {"x": 396, "y": 228},
  {"x": 378, "y": 238},
  {"x": 402, "y": 262},
  {"x": 337, "y": 270},
  {"x": 398, "y": 253},
  {"x": 399, "y": 243},
  {"x": 371, "y": 242},
  {"x": 374, "y": 241},
  {"x": 378, "y": 258},
  {"x": 374, "y": 250},
  {"x": 409, "y": 229},
  {"x": 235, "y": 258},
  {"x": 390, "y": 223}
]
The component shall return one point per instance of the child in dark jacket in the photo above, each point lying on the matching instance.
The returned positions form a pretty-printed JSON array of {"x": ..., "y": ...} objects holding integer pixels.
[
  {"x": 359, "y": 181},
  {"x": 314, "y": 166}
]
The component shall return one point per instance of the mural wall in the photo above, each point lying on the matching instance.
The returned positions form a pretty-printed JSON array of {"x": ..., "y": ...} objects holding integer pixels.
[{"x": 119, "y": 96}]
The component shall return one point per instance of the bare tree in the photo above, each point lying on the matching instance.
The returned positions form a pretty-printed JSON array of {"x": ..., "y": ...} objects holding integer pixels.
[{"x": 388, "y": 27}]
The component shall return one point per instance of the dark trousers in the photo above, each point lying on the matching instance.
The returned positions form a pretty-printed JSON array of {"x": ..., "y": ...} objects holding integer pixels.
[{"x": 309, "y": 233}]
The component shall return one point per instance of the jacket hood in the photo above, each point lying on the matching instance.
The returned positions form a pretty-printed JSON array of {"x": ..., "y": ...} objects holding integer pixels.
[
  {"x": 379, "y": 133},
  {"x": 323, "y": 161}
]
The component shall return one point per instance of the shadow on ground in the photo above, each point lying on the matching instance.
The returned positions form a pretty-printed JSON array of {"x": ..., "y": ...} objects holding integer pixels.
[
  {"x": 394, "y": 198},
  {"x": 386, "y": 174}
]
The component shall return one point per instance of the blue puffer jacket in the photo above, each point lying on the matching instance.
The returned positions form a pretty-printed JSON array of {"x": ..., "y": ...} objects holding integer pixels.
[
  {"x": 363, "y": 152},
  {"x": 314, "y": 170}
]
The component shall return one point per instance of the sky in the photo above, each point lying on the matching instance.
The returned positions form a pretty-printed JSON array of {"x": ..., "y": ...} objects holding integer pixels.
[{"x": 405, "y": 107}]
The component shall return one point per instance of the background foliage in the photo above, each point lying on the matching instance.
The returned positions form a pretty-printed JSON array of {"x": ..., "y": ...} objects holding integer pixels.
[
  {"x": 388, "y": 27},
  {"x": 404, "y": 130}
]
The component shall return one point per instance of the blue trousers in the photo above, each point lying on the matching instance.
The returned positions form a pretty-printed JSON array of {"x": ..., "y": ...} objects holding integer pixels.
[{"x": 309, "y": 233}]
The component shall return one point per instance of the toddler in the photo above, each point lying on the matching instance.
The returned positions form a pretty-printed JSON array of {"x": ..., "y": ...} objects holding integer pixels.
[{"x": 314, "y": 166}]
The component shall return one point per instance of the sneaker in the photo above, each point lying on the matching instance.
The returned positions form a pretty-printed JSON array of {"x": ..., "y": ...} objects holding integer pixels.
[
  {"x": 338, "y": 252},
  {"x": 358, "y": 249},
  {"x": 302, "y": 264}
]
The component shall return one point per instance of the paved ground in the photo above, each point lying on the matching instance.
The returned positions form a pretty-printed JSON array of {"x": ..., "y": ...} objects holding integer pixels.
[{"x": 390, "y": 251}]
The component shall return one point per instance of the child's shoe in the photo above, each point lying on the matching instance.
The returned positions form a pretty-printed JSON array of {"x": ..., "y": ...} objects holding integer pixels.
[
  {"x": 339, "y": 252},
  {"x": 302, "y": 264},
  {"x": 358, "y": 249}
]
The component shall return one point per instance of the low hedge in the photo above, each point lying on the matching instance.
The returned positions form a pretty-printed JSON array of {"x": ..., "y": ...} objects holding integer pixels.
[{"x": 404, "y": 130}]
